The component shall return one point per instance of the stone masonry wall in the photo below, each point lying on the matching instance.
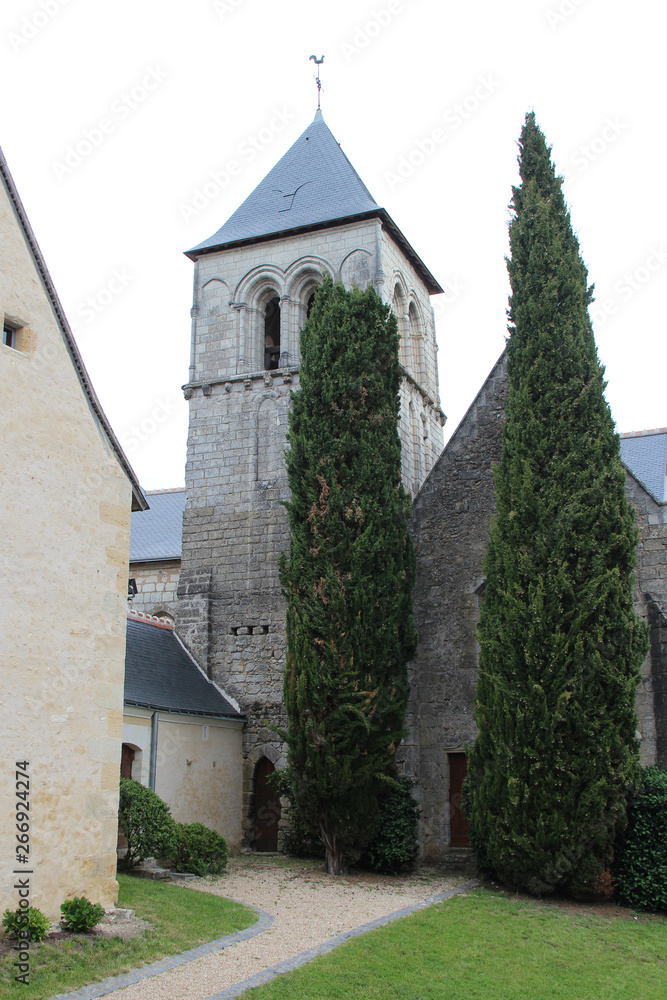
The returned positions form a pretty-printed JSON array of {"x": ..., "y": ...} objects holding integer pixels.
[
  {"x": 231, "y": 612},
  {"x": 449, "y": 526},
  {"x": 157, "y": 583},
  {"x": 451, "y": 517}
]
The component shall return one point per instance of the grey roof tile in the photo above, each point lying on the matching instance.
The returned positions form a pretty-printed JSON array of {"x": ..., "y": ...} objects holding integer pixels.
[
  {"x": 644, "y": 453},
  {"x": 313, "y": 185},
  {"x": 161, "y": 675},
  {"x": 314, "y": 182},
  {"x": 157, "y": 533}
]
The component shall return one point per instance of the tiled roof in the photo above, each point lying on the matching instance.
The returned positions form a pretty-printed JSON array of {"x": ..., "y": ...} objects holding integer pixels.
[
  {"x": 313, "y": 185},
  {"x": 161, "y": 675},
  {"x": 157, "y": 533},
  {"x": 644, "y": 453},
  {"x": 314, "y": 182}
]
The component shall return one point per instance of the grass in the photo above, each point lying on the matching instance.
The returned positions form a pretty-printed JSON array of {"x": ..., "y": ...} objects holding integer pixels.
[
  {"x": 181, "y": 918},
  {"x": 486, "y": 946}
]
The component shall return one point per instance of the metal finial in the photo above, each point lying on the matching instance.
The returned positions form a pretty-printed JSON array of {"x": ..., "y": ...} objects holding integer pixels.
[{"x": 318, "y": 63}]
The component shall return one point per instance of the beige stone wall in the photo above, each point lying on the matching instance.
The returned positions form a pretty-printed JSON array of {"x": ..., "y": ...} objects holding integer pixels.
[
  {"x": 198, "y": 767},
  {"x": 64, "y": 559},
  {"x": 156, "y": 585}
]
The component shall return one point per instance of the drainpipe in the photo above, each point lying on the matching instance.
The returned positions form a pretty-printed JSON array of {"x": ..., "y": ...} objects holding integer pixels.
[{"x": 155, "y": 719}]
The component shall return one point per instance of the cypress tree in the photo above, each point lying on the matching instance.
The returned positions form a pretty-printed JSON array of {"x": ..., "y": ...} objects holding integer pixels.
[
  {"x": 349, "y": 575},
  {"x": 560, "y": 646}
]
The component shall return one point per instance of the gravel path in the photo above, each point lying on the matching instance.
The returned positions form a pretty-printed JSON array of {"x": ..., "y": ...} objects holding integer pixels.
[{"x": 309, "y": 907}]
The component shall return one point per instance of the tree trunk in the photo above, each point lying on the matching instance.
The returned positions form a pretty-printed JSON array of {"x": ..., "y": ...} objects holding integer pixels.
[{"x": 336, "y": 864}]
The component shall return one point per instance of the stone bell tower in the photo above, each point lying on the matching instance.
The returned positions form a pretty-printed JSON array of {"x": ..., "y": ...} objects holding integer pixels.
[{"x": 254, "y": 280}]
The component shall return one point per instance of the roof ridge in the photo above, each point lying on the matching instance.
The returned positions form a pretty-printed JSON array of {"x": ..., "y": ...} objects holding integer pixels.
[
  {"x": 141, "y": 616},
  {"x": 167, "y": 489},
  {"x": 646, "y": 433}
]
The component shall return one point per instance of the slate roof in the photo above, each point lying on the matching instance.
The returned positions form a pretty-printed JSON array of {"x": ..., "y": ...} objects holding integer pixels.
[
  {"x": 644, "y": 453},
  {"x": 313, "y": 185},
  {"x": 157, "y": 534},
  {"x": 162, "y": 676}
]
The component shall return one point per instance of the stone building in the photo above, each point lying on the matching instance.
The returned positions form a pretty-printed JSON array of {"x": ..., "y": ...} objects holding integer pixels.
[
  {"x": 181, "y": 733},
  {"x": 66, "y": 491},
  {"x": 450, "y": 523},
  {"x": 254, "y": 280},
  {"x": 155, "y": 553}
]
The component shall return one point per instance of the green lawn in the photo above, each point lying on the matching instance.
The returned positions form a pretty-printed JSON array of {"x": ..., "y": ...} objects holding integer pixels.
[
  {"x": 485, "y": 946},
  {"x": 182, "y": 918}
]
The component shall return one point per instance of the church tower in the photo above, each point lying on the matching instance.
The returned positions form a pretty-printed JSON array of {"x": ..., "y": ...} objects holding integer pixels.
[{"x": 253, "y": 284}]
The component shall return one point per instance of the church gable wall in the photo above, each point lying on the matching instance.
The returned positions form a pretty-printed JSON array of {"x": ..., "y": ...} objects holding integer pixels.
[
  {"x": 64, "y": 552},
  {"x": 450, "y": 522}
]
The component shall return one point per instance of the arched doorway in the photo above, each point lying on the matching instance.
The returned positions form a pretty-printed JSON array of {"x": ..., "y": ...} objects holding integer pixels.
[{"x": 266, "y": 809}]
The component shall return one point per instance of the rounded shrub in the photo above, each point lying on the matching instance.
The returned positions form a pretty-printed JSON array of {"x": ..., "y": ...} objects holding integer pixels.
[
  {"x": 146, "y": 822},
  {"x": 200, "y": 850},
  {"x": 394, "y": 846},
  {"x": 18, "y": 922},
  {"x": 80, "y": 915},
  {"x": 640, "y": 869}
]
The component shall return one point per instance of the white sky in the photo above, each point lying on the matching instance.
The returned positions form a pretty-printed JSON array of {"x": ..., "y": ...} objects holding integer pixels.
[{"x": 215, "y": 75}]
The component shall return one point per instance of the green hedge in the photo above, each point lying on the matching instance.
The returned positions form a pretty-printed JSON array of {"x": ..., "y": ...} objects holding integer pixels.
[
  {"x": 640, "y": 869},
  {"x": 200, "y": 850}
]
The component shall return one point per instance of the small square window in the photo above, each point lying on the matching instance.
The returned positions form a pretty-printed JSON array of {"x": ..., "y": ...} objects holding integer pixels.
[{"x": 9, "y": 335}]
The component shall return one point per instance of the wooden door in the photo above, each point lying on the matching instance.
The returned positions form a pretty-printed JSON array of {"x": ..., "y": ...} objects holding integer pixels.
[
  {"x": 266, "y": 809},
  {"x": 458, "y": 769},
  {"x": 126, "y": 761}
]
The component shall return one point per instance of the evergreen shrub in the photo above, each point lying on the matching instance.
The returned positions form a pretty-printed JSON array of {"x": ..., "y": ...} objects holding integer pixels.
[
  {"x": 33, "y": 920},
  {"x": 200, "y": 850},
  {"x": 640, "y": 870},
  {"x": 394, "y": 847},
  {"x": 146, "y": 822},
  {"x": 80, "y": 915}
]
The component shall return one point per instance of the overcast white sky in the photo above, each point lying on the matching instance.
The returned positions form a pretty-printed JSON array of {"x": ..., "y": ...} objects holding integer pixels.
[{"x": 159, "y": 95}]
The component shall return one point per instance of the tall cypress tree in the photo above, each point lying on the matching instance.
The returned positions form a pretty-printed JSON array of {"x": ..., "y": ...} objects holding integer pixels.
[
  {"x": 350, "y": 572},
  {"x": 560, "y": 646}
]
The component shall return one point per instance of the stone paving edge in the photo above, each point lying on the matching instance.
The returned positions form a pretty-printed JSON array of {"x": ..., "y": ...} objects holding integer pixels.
[
  {"x": 119, "y": 982},
  {"x": 266, "y": 975}
]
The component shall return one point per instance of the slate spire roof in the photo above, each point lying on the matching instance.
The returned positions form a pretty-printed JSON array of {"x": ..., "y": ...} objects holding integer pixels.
[{"x": 314, "y": 185}]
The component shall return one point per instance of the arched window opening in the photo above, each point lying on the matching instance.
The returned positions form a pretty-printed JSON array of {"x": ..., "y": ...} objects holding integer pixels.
[
  {"x": 416, "y": 346},
  {"x": 398, "y": 306},
  {"x": 309, "y": 304},
  {"x": 272, "y": 334}
]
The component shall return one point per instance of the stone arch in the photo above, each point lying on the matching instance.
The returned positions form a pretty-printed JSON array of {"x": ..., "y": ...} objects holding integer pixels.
[
  {"x": 304, "y": 276},
  {"x": 265, "y": 807},
  {"x": 399, "y": 305},
  {"x": 256, "y": 292},
  {"x": 269, "y": 439},
  {"x": 214, "y": 297},
  {"x": 355, "y": 268},
  {"x": 416, "y": 336}
]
